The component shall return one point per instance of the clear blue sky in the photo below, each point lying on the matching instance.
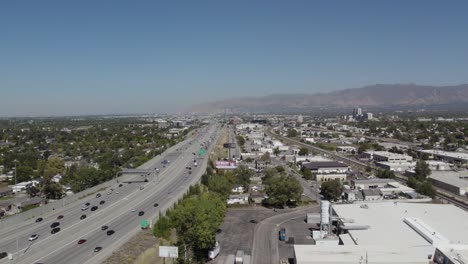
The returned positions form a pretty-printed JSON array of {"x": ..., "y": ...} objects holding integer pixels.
[{"x": 82, "y": 57}]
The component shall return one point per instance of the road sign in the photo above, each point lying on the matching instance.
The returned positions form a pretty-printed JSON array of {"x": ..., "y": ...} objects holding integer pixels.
[
  {"x": 201, "y": 152},
  {"x": 168, "y": 252}
]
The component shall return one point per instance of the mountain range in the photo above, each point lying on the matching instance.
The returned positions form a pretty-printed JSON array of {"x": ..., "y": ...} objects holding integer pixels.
[{"x": 374, "y": 96}]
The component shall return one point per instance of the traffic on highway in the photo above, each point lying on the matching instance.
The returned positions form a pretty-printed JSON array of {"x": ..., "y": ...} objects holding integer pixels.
[{"x": 90, "y": 230}]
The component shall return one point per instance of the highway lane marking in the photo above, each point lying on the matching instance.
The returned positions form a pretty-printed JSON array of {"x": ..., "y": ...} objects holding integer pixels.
[{"x": 144, "y": 200}]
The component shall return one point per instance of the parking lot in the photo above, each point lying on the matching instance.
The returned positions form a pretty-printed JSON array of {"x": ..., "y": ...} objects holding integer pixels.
[{"x": 297, "y": 232}]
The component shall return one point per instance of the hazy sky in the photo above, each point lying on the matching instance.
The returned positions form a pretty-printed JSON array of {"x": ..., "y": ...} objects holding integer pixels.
[{"x": 82, "y": 57}]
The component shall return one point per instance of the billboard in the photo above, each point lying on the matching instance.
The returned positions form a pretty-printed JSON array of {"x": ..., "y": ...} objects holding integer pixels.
[
  {"x": 229, "y": 145},
  {"x": 220, "y": 164},
  {"x": 168, "y": 252}
]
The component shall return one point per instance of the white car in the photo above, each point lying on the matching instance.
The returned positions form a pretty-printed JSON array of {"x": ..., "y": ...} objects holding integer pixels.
[
  {"x": 33, "y": 237},
  {"x": 133, "y": 209},
  {"x": 84, "y": 208}
]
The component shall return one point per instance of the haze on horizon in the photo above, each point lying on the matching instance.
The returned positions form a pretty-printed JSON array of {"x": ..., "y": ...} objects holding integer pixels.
[{"x": 104, "y": 57}]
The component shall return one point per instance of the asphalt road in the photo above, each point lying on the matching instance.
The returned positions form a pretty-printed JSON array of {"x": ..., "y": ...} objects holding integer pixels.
[
  {"x": 163, "y": 188},
  {"x": 265, "y": 242}
]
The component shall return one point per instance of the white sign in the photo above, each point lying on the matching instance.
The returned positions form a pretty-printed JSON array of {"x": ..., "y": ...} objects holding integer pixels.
[
  {"x": 226, "y": 164},
  {"x": 168, "y": 252}
]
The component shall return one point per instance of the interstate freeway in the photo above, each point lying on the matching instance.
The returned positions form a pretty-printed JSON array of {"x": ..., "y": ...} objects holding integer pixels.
[{"x": 120, "y": 210}]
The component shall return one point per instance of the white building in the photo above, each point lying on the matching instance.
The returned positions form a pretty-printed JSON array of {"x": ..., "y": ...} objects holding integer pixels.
[
  {"x": 386, "y": 156},
  {"x": 238, "y": 199},
  {"x": 460, "y": 158},
  {"x": 328, "y": 170}
]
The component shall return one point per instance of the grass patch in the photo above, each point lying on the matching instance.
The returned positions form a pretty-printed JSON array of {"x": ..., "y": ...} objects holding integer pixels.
[
  {"x": 8, "y": 197},
  {"x": 84, "y": 196}
]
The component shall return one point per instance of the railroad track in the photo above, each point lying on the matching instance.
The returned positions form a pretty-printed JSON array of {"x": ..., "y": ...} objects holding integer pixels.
[{"x": 401, "y": 178}]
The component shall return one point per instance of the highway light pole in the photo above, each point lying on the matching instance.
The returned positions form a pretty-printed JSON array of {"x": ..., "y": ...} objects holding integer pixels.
[{"x": 17, "y": 207}]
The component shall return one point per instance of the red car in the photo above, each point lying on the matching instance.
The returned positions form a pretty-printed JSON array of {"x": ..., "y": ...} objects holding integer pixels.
[
  {"x": 60, "y": 217},
  {"x": 81, "y": 241}
]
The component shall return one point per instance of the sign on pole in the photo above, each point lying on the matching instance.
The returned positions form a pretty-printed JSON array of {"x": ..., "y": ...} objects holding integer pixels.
[
  {"x": 229, "y": 145},
  {"x": 201, "y": 152},
  {"x": 168, "y": 252}
]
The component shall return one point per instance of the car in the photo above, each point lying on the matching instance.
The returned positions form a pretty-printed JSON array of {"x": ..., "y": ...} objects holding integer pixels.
[
  {"x": 142, "y": 187},
  {"x": 3, "y": 255},
  {"x": 190, "y": 172},
  {"x": 81, "y": 241},
  {"x": 156, "y": 205},
  {"x": 54, "y": 224},
  {"x": 141, "y": 213},
  {"x": 102, "y": 202},
  {"x": 146, "y": 180},
  {"x": 110, "y": 232},
  {"x": 94, "y": 208},
  {"x": 109, "y": 193},
  {"x": 39, "y": 220},
  {"x": 84, "y": 208},
  {"x": 133, "y": 210},
  {"x": 98, "y": 195},
  {"x": 117, "y": 192},
  {"x": 97, "y": 249},
  {"x": 104, "y": 227},
  {"x": 82, "y": 217},
  {"x": 33, "y": 237},
  {"x": 111, "y": 189},
  {"x": 120, "y": 185},
  {"x": 59, "y": 217},
  {"x": 55, "y": 230},
  {"x": 253, "y": 221},
  {"x": 87, "y": 204}
]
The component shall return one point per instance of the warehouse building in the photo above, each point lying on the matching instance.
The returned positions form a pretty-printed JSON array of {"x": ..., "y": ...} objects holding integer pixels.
[
  {"x": 328, "y": 170},
  {"x": 452, "y": 181},
  {"x": 385, "y": 156},
  {"x": 458, "y": 158}
]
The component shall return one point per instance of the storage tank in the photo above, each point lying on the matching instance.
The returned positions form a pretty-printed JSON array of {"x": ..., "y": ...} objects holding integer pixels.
[{"x": 324, "y": 212}]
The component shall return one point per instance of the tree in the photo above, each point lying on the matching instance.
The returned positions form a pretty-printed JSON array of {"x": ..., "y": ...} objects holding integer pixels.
[
  {"x": 362, "y": 148},
  {"x": 52, "y": 191},
  {"x": 303, "y": 152},
  {"x": 240, "y": 140},
  {"x": 308, "y": 175},
  {"x": 23, "y": 173},
  {"x": 331, "y": 190},
  {"x": 243, "y": 174},
  {"x": 32, "y": 191},
  {"x": 422, "y": 170},
  {"x": 162, "y": 228},
  {"x": 282, "y": 189},
  {"x": 426, "y": 188},
  {"x": 276, "y": 151},
  {"x": 292, "y": 133},
  {"x": 280, "y": 169},
  {"x": 219, "y": 184},
  {"x": 386, "y": 174},
  {"x": 266, "y": 157}
]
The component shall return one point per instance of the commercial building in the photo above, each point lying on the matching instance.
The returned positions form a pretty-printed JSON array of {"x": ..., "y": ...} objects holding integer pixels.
[
  {"x": 328, "y": 170},
  {"x": 452, "y": 181},
  {"x": 392, "y": 233},
  {"x": 345, "y": 149},
  {"x": 396, "y": 166},
  {"x": 386, "y": 156},
  {"x": 459, "y": 158}
]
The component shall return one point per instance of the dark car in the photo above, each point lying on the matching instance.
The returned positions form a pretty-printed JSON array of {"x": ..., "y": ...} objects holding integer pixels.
[
  {"x": 120, "y": 185},
  {"x": 102, "y": 202},
  {"x": 141, "y": 213},
  {"x": 98, "y": 195},
  {"x": 253, "y": 221},
  {"x": 59, "y": 217},
  {"x": 54, "y": 224},
  {"x": 87, "y": 204},
  {"x": 3, "y": 255},
  {"x": 81, "y": 241},
  {"x": 94, "y": 208},
  {"x": 97, "y": 249},
  {"x": 82, "y": 217},
  {"x": 146, "y": 180},
  {"x": 110, "y": 232},
  {"x": 55, "y": 230},
  {"x": 104, "y": 227},
  {"x": 156, "y": 205},
  {"x": 39, "y": 220}
]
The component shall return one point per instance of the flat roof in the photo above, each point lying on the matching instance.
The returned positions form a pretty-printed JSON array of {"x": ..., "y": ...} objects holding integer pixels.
[
  {"x": 451, "y": 154},
  {"x": 324, "y": 164},
  {"x": 387, "y": 226},
  {"x": 449, "y": 177}
]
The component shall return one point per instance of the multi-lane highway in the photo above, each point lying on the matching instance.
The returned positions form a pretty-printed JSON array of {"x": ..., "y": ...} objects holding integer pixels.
[{"x": 120, "y": 210}]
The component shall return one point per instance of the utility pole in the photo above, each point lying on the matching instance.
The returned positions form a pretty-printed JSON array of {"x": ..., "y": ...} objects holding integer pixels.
[{"x": 16, "y": 204}]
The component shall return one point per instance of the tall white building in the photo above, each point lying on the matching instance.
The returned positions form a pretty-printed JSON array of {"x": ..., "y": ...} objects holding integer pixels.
[{"x": 300, "y": 119}]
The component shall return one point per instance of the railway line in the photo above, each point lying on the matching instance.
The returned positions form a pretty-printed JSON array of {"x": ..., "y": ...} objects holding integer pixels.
[{"x": 360, "y": 165}]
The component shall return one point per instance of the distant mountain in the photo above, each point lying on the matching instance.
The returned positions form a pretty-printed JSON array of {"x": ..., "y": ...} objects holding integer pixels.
[{"x": 374, "y": 96}]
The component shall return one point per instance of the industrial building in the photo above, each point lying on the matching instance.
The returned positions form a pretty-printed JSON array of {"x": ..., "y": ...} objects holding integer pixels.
[
  {"x": 385, "y": 156},
  {"x": 388, "y": 233},
  {"x": 452, "y": 181},
  {"x": 328, "y": 170},
  {"x": 458, "y": 158}
]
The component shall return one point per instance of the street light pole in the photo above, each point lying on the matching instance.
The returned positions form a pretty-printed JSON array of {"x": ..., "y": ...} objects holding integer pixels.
[{"x": 16, "y": 204}]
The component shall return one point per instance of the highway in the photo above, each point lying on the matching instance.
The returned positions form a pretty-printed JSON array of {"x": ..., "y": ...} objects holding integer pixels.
[
  {"x": 232, "y": 139},
  {"x": 163, "y": 188}
]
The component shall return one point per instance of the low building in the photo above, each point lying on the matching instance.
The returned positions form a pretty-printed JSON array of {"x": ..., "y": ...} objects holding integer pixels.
[
  {"x": 238, "y": 199},
  {"x": 346, "y": 149},
  {"x": 459, "y": 158},
  {"x": 371, "y": 194},
  {"x": 328, "y": 170},
  {"x": 396, "y": 166},
  {"x": 237, "y": 188},
  {"x": 32, "y": 201},
  {"x": 257, "y": 197},
  {"x": 452, "y": 181},
  {"x": 370, "y": 183},
  {"x": 386, "y": 156}
]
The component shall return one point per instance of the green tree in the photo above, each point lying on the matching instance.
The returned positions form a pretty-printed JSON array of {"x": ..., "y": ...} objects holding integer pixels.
[
  {"x": 162, "y": 228},
  {"x": 52, "y": 191},
  {"x": 422, "y": 170},
  {"x": 282, "y": 189},
  {"x": 280, "y": 169},
  {"x": 303, "y": 152},
  {"x": 386, "y": 174},
  {"x": 24, "y": 173},
  {"x": 308, "y": 175},
  {"x": 266, "y": 157},
  {"x": 219, "y": 184},
  {"x": 276, "y": 151},
  {"x": 240, "y": 141},
  {"x": 331, "y": 190},
  {"x": 243, "y": 174},
  {"x": 292, "y": 133}
]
